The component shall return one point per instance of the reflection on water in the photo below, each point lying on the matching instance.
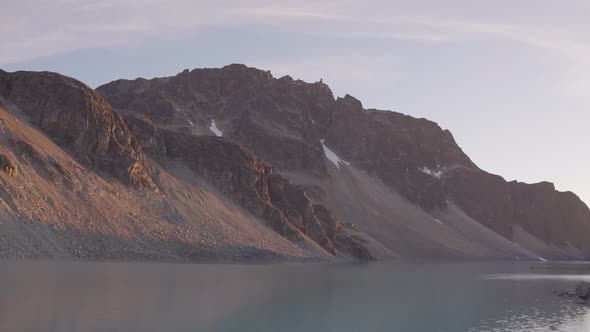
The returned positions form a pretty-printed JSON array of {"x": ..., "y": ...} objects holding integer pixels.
[
  {"x": 63, "y": 297},
  {"x": 534, "y": 320},
  {"x": 569, "y": 317},
  {"x": 529, "y": 276}
]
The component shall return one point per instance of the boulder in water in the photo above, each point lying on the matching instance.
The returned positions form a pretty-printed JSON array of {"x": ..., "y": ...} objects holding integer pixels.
[{"x": 583, "y": 290}]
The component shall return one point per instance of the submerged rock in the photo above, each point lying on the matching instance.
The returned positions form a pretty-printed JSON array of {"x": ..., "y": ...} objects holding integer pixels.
[
  {"x": 565, "y": 293},
  {"x": 581, "y": 294}
]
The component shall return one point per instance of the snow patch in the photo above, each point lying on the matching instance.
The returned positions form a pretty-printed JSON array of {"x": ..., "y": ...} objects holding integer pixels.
[
  {"x": 332, "y": 156},
  {"x": 189, "y": 121},
  {"x": 438, "y": 221},
  {"x": 434, "y": 173},
  {"x": 214, "y": 129},
  {"x": 541, "y": 259}
]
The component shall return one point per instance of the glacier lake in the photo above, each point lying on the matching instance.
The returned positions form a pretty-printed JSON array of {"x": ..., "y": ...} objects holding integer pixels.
[{"x": 39, "y": 296}]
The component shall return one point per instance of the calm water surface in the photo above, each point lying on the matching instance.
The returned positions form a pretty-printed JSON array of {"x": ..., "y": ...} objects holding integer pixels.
[{"x": 453, "y": 297}]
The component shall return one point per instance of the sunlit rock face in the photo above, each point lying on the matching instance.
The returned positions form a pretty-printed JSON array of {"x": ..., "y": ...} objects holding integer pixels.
[{"x": 80, "y": 120}]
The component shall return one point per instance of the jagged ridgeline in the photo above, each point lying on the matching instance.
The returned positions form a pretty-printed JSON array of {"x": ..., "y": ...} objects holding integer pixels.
[{"x": 232, "y": 164}]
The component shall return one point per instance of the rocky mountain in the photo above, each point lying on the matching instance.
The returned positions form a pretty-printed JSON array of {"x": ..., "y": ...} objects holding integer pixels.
[
  {"x": 232, "y": 164},
  {"x": 78, "y": 184},
  {"x": 401, "y": 180}
]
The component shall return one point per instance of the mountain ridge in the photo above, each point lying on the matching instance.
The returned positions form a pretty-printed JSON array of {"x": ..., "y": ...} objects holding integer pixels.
[
  {"x": 413, "y": 156},
  {"x": 305, "y": 175}
]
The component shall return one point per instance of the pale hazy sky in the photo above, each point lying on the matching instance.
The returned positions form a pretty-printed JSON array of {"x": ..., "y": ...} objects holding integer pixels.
[{"x": 509, "y": 78}]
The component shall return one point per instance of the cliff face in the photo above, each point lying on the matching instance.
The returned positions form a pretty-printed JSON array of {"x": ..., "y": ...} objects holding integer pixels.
[
  {"x": 558, "y": 218},
  {"x": 302, "y": 131},
  {"x": 405, "y": 152},
  {"x": 80, "y": 120}
]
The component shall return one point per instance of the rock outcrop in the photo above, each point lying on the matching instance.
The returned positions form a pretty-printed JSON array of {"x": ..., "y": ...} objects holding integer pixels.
[
  {"x": 79, "y": 120},
  {"x": 7, "y": 165}
]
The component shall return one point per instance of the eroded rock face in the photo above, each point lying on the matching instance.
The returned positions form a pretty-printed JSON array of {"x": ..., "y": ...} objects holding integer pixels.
[
  {"x": 151, "y": 140},
  {"x": 251, "y": 183},
  {"x": 281, "y": 119},
  {"x": 80, "y": 120},
  {"x": 342, "y": 239},
  {"x": 238, "y": 174}
]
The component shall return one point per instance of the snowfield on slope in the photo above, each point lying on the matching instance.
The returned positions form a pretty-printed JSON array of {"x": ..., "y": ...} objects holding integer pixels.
[
  {"x": 332, "y": 156},
  {"x": 436, "y": 174},
  {"x": 214, "y": 129}
]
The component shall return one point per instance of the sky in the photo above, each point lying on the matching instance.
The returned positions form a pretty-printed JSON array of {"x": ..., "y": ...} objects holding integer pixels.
[{"x": 509, "y": 78}]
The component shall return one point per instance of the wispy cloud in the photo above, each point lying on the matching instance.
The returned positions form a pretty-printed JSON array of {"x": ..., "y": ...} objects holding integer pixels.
[
  {"x": 72, "y": 24},
  {"x": 564, "y": 45},
  {"x": 68, "y": 25}
]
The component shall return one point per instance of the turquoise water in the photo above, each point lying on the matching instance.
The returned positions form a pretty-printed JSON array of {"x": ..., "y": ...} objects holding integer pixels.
[{"x": 385, "y": 296}]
